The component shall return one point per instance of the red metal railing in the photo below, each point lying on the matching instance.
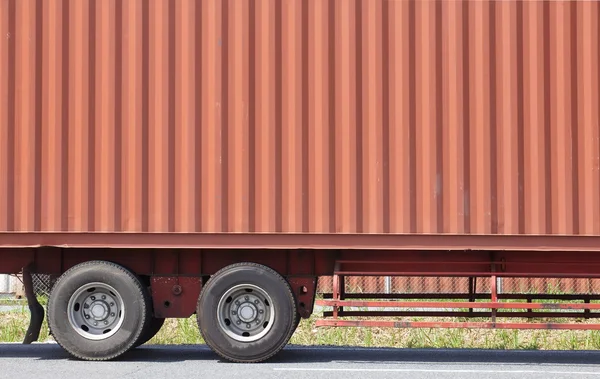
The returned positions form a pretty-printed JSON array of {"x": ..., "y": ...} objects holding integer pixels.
[{"x": 405, "y": 297}]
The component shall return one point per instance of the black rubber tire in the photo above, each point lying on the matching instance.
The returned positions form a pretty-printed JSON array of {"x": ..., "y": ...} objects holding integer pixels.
[
  {"x": 296, "y": 323},
  {"x": 153, "y": 328},
  {"x": 136, "y": 317},
  {"x": 285, "y": 313},
  {"x": 295, "y": 327}
]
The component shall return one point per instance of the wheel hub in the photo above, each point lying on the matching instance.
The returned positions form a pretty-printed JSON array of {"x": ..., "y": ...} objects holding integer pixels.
[
  {"x": 99, "y": 310},
  {"x": 246, "y": 313},
  {"x": 95, "y": 311},
  {"x": 248, "y": 309}
]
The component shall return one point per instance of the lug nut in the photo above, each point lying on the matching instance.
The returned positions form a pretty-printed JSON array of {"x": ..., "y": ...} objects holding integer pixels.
[
  {"x": 246, "y": 298},
  {"x": 112, "y": 304},
  {"x": 261, "y": 311},
  {"x": 105, "y": 322},
  {"x": 103, "y": 297},
  {"x": 237, "y": 302},
  {"x": 239, "y": 322},
  {"x": 93, "y": 297},
  {"x": 255, "y": 301},
  {"x": 248, "y": 326},
  {"x": 233, "y": 312},
  {"x": 95, "y": 324},
  {"x": 112, "y": 315},
  {"x": 87, "y": 317}
]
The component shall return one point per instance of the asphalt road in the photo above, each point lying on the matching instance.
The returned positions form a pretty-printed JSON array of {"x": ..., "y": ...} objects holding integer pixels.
[{"x": 48, "y": 361}]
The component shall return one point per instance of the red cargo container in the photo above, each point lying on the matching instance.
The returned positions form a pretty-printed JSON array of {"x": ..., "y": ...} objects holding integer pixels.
[{"x": 312, "y": 136}]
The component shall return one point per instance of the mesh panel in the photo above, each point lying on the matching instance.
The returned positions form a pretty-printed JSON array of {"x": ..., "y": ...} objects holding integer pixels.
[
  {"x": 417, "y": 284},
  {"x": 42, "y": 284}
]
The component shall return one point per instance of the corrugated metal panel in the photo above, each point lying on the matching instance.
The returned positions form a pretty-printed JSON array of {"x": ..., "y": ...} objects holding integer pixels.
[{"x": 300, "y": 116}]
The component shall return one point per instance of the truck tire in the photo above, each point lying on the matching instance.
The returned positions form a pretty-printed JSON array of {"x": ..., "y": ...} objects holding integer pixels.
[
  {"x": 246, "y": 313},
  {"x": 152, "y": 329},
  {"x": 98, "y": 310},
  {"x": 296, "y": 323}
]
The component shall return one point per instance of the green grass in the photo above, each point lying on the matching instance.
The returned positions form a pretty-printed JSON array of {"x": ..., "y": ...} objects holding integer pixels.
[
  {"x": 307, "y": 334},
  {"x": 183, "y": 331},
  {"x": 13, "y": 326},
  {"x": 12, "y": 302}
]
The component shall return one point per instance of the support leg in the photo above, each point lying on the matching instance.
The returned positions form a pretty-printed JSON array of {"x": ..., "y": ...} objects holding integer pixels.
[
  {"x": 336, "y": 293},
  {"x": 342, "y": 289},
  {"x": 587, "y": 311},
  {"x": 472, "y": 290},
  {"x": 494, "y": 291},
  {"x": 35, "y": 308}
]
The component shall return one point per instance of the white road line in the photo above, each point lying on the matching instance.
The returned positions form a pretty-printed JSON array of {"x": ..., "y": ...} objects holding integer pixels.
[{"x": 456, "y": 371}]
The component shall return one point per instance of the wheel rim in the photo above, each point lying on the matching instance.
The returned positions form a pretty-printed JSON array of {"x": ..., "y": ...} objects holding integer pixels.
[
  {"x": 246, "y": 313},
  {"x": 96, "y": 311}
]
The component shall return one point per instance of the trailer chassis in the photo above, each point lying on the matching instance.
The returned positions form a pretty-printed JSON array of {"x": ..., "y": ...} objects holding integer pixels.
[{"x": 176, "y": 276}]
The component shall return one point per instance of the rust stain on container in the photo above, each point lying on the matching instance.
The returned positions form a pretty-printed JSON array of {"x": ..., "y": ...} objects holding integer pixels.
[{"x": 315, "y": 116}]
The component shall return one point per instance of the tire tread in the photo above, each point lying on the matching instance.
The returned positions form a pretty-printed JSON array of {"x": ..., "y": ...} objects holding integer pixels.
[
  {"x": 142, "y": 292},
  {"x": 289, "y": 292}
]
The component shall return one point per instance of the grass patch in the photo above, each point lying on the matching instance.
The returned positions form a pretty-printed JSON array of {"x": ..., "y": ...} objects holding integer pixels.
[
  {"x": 13, "y": 303},
  {"x": 13, "y": 325},
  {"x": 307, "y": 334},
  {"x": 180, "y": 331}
]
